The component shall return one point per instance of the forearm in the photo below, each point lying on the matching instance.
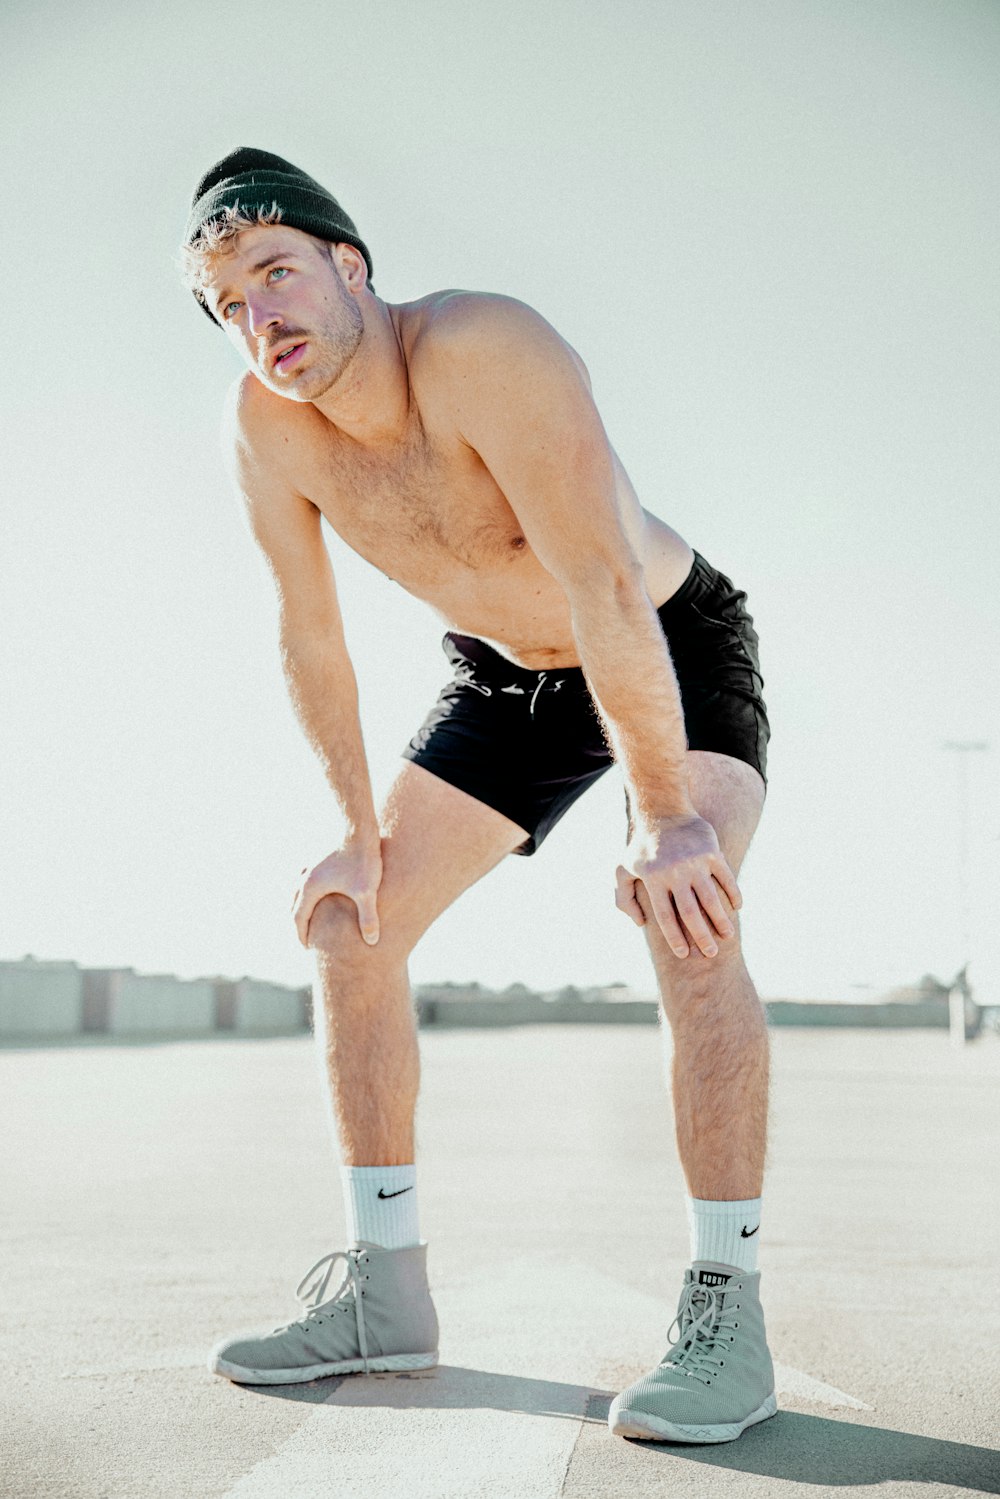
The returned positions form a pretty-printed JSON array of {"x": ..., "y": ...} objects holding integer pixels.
[
  {"x": 324, "y": 694},
  {"x": 631, "y": 677}
]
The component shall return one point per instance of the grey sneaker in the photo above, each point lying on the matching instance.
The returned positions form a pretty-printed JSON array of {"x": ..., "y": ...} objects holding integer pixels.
[
  {"x": 380, "y": 1317},
  {"x": 717, "y": 1378}
]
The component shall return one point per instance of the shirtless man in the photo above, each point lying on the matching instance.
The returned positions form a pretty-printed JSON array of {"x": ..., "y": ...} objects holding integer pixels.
[{"x": 454, "y": 443}]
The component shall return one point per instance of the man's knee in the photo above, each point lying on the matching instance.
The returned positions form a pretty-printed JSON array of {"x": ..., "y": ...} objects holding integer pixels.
[
  {"x": 696, "y": 975},
  {"x": 334, "y": 930}
]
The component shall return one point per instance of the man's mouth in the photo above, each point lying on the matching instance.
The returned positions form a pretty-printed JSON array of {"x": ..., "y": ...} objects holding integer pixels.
[{"x": 288, "y": 357}]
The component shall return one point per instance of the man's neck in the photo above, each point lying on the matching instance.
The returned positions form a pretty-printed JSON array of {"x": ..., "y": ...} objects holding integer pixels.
[{"x": 370, "y": 403}]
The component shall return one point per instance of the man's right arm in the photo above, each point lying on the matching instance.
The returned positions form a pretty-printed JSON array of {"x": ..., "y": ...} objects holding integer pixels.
[{"x": 317, "y": 667}]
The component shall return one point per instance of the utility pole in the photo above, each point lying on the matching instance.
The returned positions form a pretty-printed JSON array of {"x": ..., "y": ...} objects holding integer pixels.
[{"x": 957, "y": 996}]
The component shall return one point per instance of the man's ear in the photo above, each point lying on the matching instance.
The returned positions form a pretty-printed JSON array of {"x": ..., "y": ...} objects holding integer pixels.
[{"x": 351, "y": 265}]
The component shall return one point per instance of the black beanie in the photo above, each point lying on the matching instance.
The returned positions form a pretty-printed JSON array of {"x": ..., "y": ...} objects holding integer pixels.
[{"x": 256, "y": 179}]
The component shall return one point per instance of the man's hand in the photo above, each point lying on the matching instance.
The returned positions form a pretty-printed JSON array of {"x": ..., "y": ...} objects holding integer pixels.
[
  {"x": 679, "y": 861},
  {"x": 355, "y": 871}
]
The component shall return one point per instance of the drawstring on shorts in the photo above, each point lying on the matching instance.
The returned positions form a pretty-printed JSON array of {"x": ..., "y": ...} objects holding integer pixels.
[{"x": 541, "y": 682}]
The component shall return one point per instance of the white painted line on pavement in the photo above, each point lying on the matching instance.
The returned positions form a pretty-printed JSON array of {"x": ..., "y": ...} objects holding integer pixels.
[
  {"x": 802, "y": 1386},
  {"x": 458, "y": 1439},
  {"x": 363, "y": 1441}
]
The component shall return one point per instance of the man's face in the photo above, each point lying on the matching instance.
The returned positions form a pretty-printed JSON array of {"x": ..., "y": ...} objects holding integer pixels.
[{"x": 285, "y": 305}]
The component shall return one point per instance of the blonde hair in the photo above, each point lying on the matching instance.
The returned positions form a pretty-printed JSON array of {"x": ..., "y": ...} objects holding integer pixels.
[{"x": 195, "y": 261}]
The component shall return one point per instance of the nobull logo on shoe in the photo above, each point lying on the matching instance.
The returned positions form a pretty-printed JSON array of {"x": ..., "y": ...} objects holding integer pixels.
[{"x": 712, "y": 1278}]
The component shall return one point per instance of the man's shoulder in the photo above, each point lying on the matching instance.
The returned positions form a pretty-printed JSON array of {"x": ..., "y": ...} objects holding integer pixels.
[
  {"x": 455, "y": 318},
  {"x": 458, "y": 308},
  {"x": 249, "y": 405},
  {"x": 456, "y": 331},
  {"x": 255, "y": 421}
]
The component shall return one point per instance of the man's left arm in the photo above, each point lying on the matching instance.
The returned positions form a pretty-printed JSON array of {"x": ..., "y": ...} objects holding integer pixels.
[{"x": 524, "y": 405}]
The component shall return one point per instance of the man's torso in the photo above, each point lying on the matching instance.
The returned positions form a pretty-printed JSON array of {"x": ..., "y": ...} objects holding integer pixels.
[{"x": 428, "y": 514}]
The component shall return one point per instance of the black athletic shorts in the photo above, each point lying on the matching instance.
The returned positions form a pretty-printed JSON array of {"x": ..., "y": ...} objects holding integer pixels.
[{"x": 530, "y": 742}]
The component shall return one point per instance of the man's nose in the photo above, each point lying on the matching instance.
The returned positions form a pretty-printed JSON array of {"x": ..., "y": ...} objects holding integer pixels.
[{"x": 260, "y": 315}]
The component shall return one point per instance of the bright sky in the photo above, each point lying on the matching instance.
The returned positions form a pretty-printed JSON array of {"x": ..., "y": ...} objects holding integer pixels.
[{"x": 770, "y": 230}]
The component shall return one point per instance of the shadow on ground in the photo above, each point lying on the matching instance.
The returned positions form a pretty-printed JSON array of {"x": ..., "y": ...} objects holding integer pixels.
[
  {"x": 809, "y": 1449},
  {"x": 792, "y": 1447},
  {"x": 448, "y": 1387}
]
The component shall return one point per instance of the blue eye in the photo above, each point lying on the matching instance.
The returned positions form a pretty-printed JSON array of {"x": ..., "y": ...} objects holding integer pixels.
[{"x": 275, "y": 270}]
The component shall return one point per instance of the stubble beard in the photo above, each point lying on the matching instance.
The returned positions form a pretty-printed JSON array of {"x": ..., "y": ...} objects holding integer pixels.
[
  {"x": 331, "y": 349},
  {"x": 336, "y": 350}
]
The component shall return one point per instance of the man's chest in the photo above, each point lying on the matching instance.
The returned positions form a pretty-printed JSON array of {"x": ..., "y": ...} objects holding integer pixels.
[{"x": 424, "y": 511}]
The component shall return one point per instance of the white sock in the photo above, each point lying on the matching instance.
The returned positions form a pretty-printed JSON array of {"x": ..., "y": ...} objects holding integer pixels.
[
  {"x": 725, "y": 1232},
  {"x": 381, "y": 1204}
]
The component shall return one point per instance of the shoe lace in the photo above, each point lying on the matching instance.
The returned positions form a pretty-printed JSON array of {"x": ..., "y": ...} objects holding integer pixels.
[
  {"x": 704, "y": 1325},
  {"x": 314, "y": 1296}
]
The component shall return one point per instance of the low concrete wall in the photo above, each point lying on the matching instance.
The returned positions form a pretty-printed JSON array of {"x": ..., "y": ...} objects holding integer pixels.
[
  {"x": 442, "y": 1010},
  {"x": 40, "y": 999},
  {"x": 534, "y": 1011},
  {"x": 261, "y": 1008},
  {"x": 43, "y": 999},
  {"x": 901, "y": 1016},
  {"x": 159, "y": 1004}
]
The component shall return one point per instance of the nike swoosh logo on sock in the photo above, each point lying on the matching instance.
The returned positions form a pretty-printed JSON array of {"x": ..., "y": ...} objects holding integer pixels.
[
  {"x": 383, "y": 1193},
  {"x": 743, "y": 1231}
]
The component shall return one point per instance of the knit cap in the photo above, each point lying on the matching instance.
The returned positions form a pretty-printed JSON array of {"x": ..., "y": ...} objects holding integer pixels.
[{"x": 256, "y": 179}]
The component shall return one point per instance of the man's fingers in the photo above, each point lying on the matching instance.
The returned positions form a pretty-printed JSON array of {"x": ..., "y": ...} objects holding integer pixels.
[
  {"x": 693, "y": 906},
  {"x": 625, "y": 896},
  {"x": 694, "y": 919},
  {"x": 367, "y": 917},
  {"x": 714, "y": 909},
  {"x": 368, "y": 922},
  {"x": 666, "y": 919},
  {"x": 303, "y": 915},
  {"x": 722, "y": 872}
]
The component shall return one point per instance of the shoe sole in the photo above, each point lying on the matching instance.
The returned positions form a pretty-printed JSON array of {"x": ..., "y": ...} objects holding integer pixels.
[
  {"x": 626, "y": 1423},
  {"x": 384, "y": 1363}
]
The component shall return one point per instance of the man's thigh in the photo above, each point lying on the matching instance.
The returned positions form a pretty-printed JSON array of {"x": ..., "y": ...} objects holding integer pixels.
[
  {"x": 729, "y": 794},
  {"x": 437, "y": 841}
]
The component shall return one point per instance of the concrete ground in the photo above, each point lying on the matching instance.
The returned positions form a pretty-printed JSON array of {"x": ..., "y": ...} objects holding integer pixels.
[{"x": 157, "y": 1197}]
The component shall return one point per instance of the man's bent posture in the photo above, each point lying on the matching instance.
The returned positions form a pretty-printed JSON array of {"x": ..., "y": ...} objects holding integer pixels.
[{"x": 453, "y": 442}]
